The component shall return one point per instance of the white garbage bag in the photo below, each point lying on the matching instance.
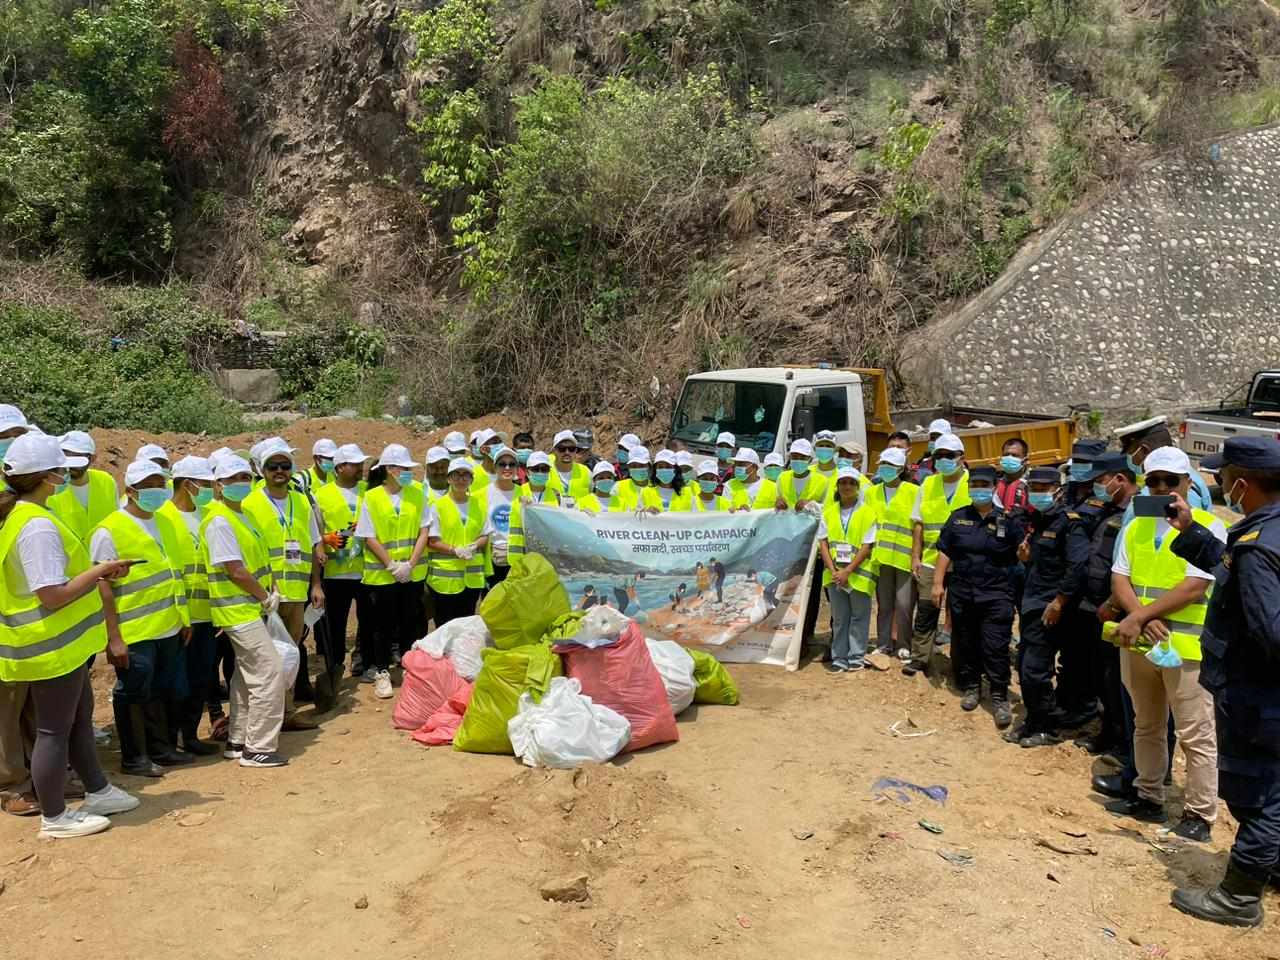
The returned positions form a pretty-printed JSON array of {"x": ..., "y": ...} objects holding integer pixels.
[
  {"x": 288, "y": 650},
  {"x": 461, "y": 641},
  {"x": 566, "y": 729},
  {"x": 675, "y": 666},
  {"x": 600, "y": 627}
]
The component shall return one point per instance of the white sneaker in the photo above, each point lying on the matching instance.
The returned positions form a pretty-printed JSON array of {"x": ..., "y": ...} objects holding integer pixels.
[
  {"x": 382, "y": 686},
  {"x": 72, "y": 823},
  {"x": 904, "y": 654},
  {"x": 110, "y": 799},
  {"x": 369, "y": 676},
  {"x": 101, "y": 736}
]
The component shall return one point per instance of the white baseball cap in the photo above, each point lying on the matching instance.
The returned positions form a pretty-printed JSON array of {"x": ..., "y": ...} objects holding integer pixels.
[
  {"x": 684, "y": 459},
  {"x": 395, "y": 455},
  {"x": 436, "y": 454},
  {"x": 486, "y": 435},
  {"x": 455, "y": 442},
  {"x": 537, "y": 459},
  {"x": 825, "y": 436},
  {"x": 665, "y": 456},
  {"x": 746, "y": 455},
  {"x": 139, "y": 470},
  {"x": 324, "y": 447},
  {"x": 220, "y": 452},
  {"x": 895, "y": 456},
  {"x": 773, "y": 460},
  {"x": 78, "y": 443},
  {"x": 274, "y": 447},
  {"x": 564, "y": 436},
  {"x": 628, "y": 440},
  {"x": 602, "y": 469},
  {"x": 505, "y": 451},
  {"x": 846, "y": 473},
  {"x": 192, "y": 468},
  {"x": 349, "y": 453},
  {"x": 228, "y": 465},
  {"x": 639, "y": 455},
  {"x": 11, "y": 416},
  {"x": 35, "y": 452},
  {"x": 463, "y": 464},
  {"x": 949, "y": 442},
  {"x": 1167, "y": 460},
  {"x": 939, "y": 426},
  {"x": 475, "y": 434},
  {"x": 151, "y": 451},
  {"x": 802, "y": 447},
  {"x": 726, "y": 439},
  {"x": 709, "y": 466}
]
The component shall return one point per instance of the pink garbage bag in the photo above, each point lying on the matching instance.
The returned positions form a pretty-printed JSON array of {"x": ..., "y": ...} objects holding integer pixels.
[
  {"x": 444, "y": 723},
  {"x": 428, "y": 683}
]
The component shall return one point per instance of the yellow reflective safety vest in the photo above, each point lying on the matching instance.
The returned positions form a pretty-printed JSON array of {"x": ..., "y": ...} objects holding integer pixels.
[
  {"x": 1154, "y": 571},
  {"x": 318, "y": 478},
  {"x": 893, "y": 516},
  {"x": 766, "y": 497},
  {"x": 681, "y": 502},
  {"x": 37, "y": 643},
  {"x": 861, "y": 520},
  {"x": 628, "y": 493},
  {"x": 229, "y": 604},
  {"x": 718, "y": 504},
  {"x": 935, "y": 508},
  {"x": 151, "y": 601},
  {"x": 515, "y": 536},
  {"x": 579, "y": 481},
  {"x": 187, "y": 561},
  {"x": 451, "y": 574},
  {"x": 593, "y": 504},
  {"x": 397, "y": 530},
  {"x": 285, "y": 529},
  {"x": 480, "y": 477},
  {"x": 339, "y": 516},
  {"x": 811, "y": 486},
  {"x": 104, "y": 500}
]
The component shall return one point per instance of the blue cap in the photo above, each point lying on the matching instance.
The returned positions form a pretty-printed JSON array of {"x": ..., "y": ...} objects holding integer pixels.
[
  {"x": 1088, "y": 450},
  {"x": 1111, "y": 462},
  {"x": 1249, "y": 453},
  {"x": 982, "y": 473},
  {"x": 1044, "y": 475}
]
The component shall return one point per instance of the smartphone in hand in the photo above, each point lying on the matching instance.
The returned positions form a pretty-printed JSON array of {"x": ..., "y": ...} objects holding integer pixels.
[{"x": 1152, "y": 506}]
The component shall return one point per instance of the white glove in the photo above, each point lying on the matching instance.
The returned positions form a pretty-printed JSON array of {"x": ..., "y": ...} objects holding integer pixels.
[
  {"x": 402, "y": 572},
  {"x": 272, "y": 603},
  {"x": 813, "y": 508},
  {"x": 464, "y": 553}
]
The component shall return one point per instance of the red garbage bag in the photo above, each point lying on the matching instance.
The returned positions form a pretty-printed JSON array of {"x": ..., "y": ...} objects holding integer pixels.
[
  {"x": 622, "y": 677},
  {"x": 428, "y": 683},
  {"x": 444, "y": 723}
]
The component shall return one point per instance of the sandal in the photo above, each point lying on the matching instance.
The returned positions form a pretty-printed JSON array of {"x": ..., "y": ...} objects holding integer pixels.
[{"x": 20, "y": 804}]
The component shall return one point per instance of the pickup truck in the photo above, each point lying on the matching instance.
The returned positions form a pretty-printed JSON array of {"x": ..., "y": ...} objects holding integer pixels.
[
  {"x": 1204, "y": 431},
  {"x": 766, "y": 407}
]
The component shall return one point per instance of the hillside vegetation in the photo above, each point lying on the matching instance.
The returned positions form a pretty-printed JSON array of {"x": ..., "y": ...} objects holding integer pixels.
[{"x": 542, "y": 205}]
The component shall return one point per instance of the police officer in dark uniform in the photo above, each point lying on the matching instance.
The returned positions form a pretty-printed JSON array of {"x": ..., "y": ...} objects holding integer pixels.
[
  {"x": 1056, "y": 550},
  {"x": 1241, "y": 668},
  {"x": 1085, "y": 455},
  {"x": 977, "y": 556}
]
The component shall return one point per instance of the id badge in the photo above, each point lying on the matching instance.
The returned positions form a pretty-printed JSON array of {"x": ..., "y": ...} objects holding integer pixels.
[
  {"x": 844, "y": 554},
  {"x": 292, "y": 551}
]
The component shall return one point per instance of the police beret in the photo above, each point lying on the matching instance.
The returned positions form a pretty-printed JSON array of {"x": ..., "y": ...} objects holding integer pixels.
[
  {"x": 1044, "y": 475},
  {"x": 1088, "y": 450},
  {"x": 1249, "y": 453},
  {"x": 982, "y": 473}
]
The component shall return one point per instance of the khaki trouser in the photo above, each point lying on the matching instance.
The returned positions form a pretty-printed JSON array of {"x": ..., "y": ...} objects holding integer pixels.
[
  {"x": 257, "y": 689},
  {"x": 17, "y": 736},
  {"x": 1156, "y": 691},
  {"x": 925, "y": 630}
]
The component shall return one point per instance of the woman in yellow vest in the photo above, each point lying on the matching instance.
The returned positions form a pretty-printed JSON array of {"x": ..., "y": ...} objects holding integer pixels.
[
  {"x": 500, "y": 498},
  {"x": 148, "y": 608},
  {"x": 537, "y": 490},
  {"x": 893, "y": 497},
  {"x": 51, "y": 623},
  {"x": 392, "y": 518},
  {"x": 604, "y": 496},
  {"x": 91, "y": 495},
  {"x": 801, "y": 485},
  {"x": 339, "y": 503},
  {"x": 456, "y": 534},
  {"x": 668, "y": 493},
  {"x": 630, "y": 490},
  {"x": 846, "y": 537},
  {"x": 707, "y": 479},
  {"x": 192, "y": 493}
]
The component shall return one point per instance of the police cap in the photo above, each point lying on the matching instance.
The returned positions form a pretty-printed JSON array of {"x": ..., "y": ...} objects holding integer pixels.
[
  {"x": 1089, "y": 450},
  {"x": 1111, "y": 462},
  {"x": 1044, "y": 475},
  {"x": 1248, "y": 453},
  {"x": 987, "y": 474}
]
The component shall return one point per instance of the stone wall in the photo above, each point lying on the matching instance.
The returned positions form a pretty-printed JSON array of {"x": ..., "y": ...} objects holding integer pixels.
[{"x": 1163, "y": 295}]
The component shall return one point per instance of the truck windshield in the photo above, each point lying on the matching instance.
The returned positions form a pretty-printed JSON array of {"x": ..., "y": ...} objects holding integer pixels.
[
  {"x": 1266, "y": 393},
  {"x": 750, "y": 411}
]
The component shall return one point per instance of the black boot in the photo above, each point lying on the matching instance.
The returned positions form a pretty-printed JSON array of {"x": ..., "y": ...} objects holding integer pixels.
[
  {"x": 1235, "y": 902},
  {"x": 189, "y": 712},
  {"x": 158, "y": 743},
  {"x": 130, "y": 725}
]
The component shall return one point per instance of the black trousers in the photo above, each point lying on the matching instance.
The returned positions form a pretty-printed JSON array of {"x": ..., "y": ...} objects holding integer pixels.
[
  {"x": 1039, "y": 649},
  {"x": 980, "y": 635},
  {"x": 339, "y": 596},
  {"x": 453, "y": 606},
  {"x": 500, "y": 572},
  {"x": 815, "y": 601},
  {"x": 1111, "y": 691},
  {"x": 397, "y": 615},
  {"x": 1078, "y": 690}
]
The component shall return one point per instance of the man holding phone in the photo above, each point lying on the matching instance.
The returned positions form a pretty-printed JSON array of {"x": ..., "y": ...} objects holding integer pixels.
[{"x": 1165, "y": 599}]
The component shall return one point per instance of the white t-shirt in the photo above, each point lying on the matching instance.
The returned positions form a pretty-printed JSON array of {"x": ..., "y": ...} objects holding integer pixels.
[
  {"x": 192, "y": 518},
  {"x": 845, "y": 516},
  {"x": 82, "y": 493},
  {"x": 565, "y": 477},
  {"x": 223, "y": 545},
  {"x": 282, "y": 512},
  {"x": 350, "y": 494},
  {"x": 1120, "y": 563},
  {"x": 431, "y": 517},
  {"x": 364, "y": 526},
  {"x": 948, "y": 490},
  {"x": 497, "y": 524},
  {"x": 37, "y": 559},
  {"x": 753, "y": 489},
  {"x": 102, "y": 548}
]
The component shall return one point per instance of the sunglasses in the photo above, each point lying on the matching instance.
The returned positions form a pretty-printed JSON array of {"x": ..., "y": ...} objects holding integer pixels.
[
  {"x": 277, "y": 467},
  {"x": 546, "y": 470},
  {"x": 506, "y": 465},
  {"x": 565, "y": 448},
  {"x": 1162, "y": 480}
]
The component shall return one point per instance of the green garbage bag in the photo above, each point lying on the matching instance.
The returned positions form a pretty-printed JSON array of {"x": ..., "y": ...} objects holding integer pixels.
[
  {"x": 504, "y": 675},
  {"x": 564, "y": 628},
  {"x": 713, "y": 680},
  {"x": 521, "y": 608}
]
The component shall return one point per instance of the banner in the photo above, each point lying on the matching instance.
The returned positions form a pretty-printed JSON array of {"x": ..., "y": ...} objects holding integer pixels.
[{"x": 733, "y": 584}]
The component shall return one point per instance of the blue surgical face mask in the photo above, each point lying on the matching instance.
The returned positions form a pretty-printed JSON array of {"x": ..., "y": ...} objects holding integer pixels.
[
  {"x": 740, "y": 473},
  {"x": 666, "y": 474},
  {"x": 623, "y": 456},
  {"x": 604, "y": 486},
  {"x": 1041, "y": 501},
  {"x": 1100, "y": 492},
  {"x": 930, "y": 446},
  {"x": 477, "y": 450},
  {"x": 405, "y": 477},
  {"x": 1080, "y": 472},
  {"x": 824, "y": 454},
  {"x": 235, "y": 492},
  {"x": 843, "y": 463},
  {"x": 151, "y": 500},
  {"x": 724, "y": 454},
  {"x": 1134, "y": 465},
  {"x": 773, "y": 473},
  {"x": 639, "y": 474},
  {"x": 538, "y": 479},
  {"x": 708, "y": 486},
  {"x": 687, "y": 473},
  {"x": 887, "y": 472},
  {"x": 494, "y": 448},
  {"x": 64, "y": 486},
  {"x": 1235, "y": 506},
  {"x": 982, "y": 496},
  {"x": 325, "y": 466},
  {"x": 522, "y": 455},
  {"x": 1010, "y": 464},
  {"x": 799, "y": 467},
  {"x": 203, "y": 497},
  {"x": 946, "y": 466},
  {"x": 5, "y": 445}
]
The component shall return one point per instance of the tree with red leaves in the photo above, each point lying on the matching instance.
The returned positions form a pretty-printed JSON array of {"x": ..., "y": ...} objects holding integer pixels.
[{"x": 199, "y": 122}]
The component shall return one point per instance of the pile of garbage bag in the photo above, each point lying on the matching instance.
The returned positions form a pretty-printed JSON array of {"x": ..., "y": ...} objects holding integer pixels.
[{"x": 553, "y": 686}]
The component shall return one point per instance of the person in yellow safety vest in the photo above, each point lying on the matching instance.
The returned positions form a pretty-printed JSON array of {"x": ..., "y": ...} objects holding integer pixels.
[
  {"x": 726, "y": 444},
  {"x": 568, "y": 477},
  {"x": 255, "y": 461},
  {"x": 604, "y": 496},
  {"x": 824, "y": 458},
  {"x": 437, "y": 474},
  {"x": 669, "y": 494},
  {"x": 487, "y": 444},
  {"x": 684, "y": 463},
  {"x": 392, "y": 517},
  {"x": 51, "y": 623},
  {"x": 474, "y": 448},
  {"x": 846, "y": 537},
  {"x": 1165, "y": 599},
  {"x": 500, "y": 498},
  {"x": 851, "y": 455},
  {"x": 623, "y": 454},
  {"x": 707, "y": 480},
  {"x": 456, "y": 444},
  {"x": 800, "y": 485},
  {"x": 242, "y": 593},
  {"x": 192, "y": 493},
  {"x": 339, "y": 503},
  {"x": 944, "y": 490},
  {"x": 147, "y": 609},
  {"x": 292, "y": 534},
  {"x": 631, "y": 489},
  {"x": 537, "y": 490},
  {"x": 322, "y": 453},
  {"x": 894, "y": 497},
  {"x": 91, "y": 495},
  {"x": 746, "y": 488},
  {"x": 456, "y": 532}
]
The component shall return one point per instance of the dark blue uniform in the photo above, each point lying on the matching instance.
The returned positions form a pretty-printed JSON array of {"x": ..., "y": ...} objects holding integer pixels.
[
  {"x": 1105, "y": 521},
  {"x": 983, "y": 553},
  {"x": 1059, "y": 543},
  {"x": 1078, "y": 687}
]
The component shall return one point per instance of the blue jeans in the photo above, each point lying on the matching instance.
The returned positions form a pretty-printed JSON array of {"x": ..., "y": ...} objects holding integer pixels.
[
  {"x": 152, "y": 673},
  {"x": 850, "y": 625}
]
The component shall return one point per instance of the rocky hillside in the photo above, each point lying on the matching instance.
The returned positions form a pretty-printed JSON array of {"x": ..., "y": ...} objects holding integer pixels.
[{"x": 543, "y": 205}]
